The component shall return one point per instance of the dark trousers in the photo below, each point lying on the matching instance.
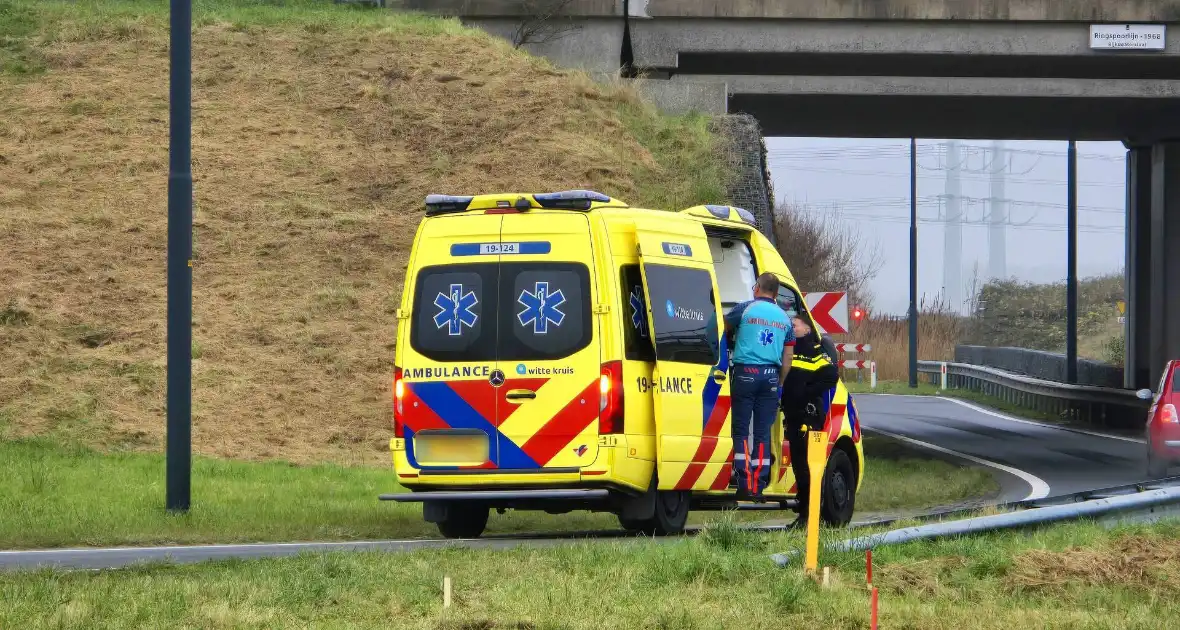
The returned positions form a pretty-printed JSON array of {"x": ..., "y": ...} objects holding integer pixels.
[
  {"x": 804, "y": 403},
  {"x": 755, "y": 398}
]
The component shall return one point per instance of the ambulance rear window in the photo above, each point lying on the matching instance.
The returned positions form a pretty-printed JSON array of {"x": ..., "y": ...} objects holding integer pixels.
[
  {"x": 507, "y": 312},
  {"x": 545, "y": 310},
  {"x": 452, "y": 305}
]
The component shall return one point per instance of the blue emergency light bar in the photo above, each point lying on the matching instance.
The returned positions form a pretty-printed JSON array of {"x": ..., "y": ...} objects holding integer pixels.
[
  {"x": 442, "y": 204},
  {"x": 571, "y": 199},
  {"x": 723, "y": 212},
  {"x": 746, "y": 215}
]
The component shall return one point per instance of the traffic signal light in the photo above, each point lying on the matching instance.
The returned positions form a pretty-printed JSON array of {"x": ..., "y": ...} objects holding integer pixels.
[{"x": 858, "y": 313}]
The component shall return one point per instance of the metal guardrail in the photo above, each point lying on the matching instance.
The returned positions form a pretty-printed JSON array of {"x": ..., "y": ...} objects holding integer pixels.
[
  {"x": 1144, "y": 501},
  {"x": 1102, "y": 406}
]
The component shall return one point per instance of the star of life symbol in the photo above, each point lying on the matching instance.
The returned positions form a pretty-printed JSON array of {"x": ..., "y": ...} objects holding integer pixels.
[
  {"x": 638, "y": 313},
  {"x": 455, "y": 310},
  {"x": 541, "y": 308},
  {"x": 766, "y": 336}
]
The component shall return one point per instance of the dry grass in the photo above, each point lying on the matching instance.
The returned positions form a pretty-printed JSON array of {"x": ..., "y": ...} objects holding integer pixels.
[
  {"x": 1142, "y": 562},
  {"x": 313, "y": 143},
  {"x": 938, "y": 333}
]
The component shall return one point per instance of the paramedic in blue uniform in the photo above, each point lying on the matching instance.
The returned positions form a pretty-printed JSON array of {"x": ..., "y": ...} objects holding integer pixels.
[{"x": 763, "y": 345}]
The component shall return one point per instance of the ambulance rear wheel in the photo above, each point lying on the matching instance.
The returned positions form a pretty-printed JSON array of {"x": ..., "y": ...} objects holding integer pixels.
[
  {"x": 464, "y": 521},
  {"x": 671, "y": 512},
  {"x": 633, "y": 525},
  {"x": 839, "y": 490}
]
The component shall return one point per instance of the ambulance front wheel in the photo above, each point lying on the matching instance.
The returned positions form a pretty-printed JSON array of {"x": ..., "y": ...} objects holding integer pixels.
[{"x": 839, "y": 490}]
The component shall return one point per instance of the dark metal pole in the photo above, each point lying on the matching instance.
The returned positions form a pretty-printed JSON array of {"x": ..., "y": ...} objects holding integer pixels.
[
  {"x": 1071, "y": 280},
  {"x": 180, "y": 250},
  {"x": 913, "y": 262}
]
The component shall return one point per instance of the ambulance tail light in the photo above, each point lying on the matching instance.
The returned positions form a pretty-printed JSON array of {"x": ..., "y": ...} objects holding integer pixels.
[
  {"x": 1168, "y": 414},
  {"x": 399, "y": 393},
  {"x": 610, "y": 397}
]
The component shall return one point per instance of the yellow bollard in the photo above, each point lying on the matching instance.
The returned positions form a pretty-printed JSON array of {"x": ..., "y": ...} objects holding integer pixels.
[{"x": 817, "y": 456}]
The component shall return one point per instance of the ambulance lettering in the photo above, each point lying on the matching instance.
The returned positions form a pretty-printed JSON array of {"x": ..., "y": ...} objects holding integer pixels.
[{"x": 466, "y": 371}]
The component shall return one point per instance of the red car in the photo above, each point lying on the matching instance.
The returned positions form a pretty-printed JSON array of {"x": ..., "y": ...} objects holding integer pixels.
[{"x": 1163, "y": 423}]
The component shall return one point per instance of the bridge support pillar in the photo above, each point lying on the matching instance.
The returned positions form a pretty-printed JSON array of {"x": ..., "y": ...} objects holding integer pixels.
[
  {"x": 1165, "y": 255},
  {"x": 1153, "y": 261},
  {"x": 1136, "y": 370}
]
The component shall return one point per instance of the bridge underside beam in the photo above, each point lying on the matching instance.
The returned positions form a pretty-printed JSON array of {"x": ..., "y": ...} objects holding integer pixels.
[{"x": 965, "y": 117}]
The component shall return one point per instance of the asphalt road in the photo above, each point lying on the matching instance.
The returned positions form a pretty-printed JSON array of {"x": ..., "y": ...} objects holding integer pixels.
[{"x": 1031, "y": 460}]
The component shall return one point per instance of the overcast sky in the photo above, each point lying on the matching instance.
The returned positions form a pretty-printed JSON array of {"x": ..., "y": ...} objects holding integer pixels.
[{"x": 864, "y": 184}]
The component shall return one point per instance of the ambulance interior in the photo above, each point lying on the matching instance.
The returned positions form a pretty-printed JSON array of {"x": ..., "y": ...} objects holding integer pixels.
[{"x": 734, "y": 265}]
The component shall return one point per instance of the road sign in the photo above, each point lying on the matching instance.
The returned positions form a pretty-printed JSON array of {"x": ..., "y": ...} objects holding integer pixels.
[
  {"x": 1122, "y": 307},
  {"x": 1127, "y": 36},
  {"x": 829, "y": 310}
]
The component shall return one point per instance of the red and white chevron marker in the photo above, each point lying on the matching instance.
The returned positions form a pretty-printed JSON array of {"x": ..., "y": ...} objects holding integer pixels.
[
  {"x": 858, "y": 348},
  {"x": 871, "y": 366},
  {"x": 829, "y": 310}
]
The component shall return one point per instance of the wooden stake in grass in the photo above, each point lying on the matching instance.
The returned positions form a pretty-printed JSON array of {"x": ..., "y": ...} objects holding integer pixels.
[
  {"x": 869, "y": 567},
  {"x": 827, "y": 577},
  {"x": 446, "y": 592},
  {"x": 873, "y": 609}
]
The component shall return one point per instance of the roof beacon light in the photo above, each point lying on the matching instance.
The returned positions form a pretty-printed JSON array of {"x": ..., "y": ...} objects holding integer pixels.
[
  {"x": 746, "y": 216},
  {"x": 571, "y": 199},
  {"x": 442, "y": 204},
  {"x": 721, "y": 212}
]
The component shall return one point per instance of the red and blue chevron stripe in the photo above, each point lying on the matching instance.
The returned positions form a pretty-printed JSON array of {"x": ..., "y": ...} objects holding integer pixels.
[
  {"x": 475, "y": 404},
  {"x": 714, "y": 411}
]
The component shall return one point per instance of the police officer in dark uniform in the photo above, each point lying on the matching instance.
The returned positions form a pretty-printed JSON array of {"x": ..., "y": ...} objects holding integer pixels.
[{"x": 811, "y": 380}]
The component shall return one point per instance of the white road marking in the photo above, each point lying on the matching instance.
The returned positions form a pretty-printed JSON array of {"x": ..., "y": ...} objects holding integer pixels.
[
  {"x": 1038, "y": 488},
  {"x": 996, "y": 414}
]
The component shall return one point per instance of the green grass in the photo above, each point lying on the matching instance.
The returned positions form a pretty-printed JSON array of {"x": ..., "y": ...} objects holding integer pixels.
[
  {"x": 1124, "y": 578},
  {"x": 900, "y": 477},
  {"x": 55, "y": 495}
]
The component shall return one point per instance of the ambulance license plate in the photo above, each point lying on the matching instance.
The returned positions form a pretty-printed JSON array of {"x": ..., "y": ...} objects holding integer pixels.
[{"x": 451, "y": 448}]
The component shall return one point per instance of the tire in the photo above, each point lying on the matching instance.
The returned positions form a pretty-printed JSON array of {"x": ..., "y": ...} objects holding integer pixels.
[
  {"x": 464, "y": 521},
  {"x": 838, "y": 500},
  {"x": 633, "y": 525},
  {"x": 671, "y": 512},
  {"x": 1156, "y": 468}
]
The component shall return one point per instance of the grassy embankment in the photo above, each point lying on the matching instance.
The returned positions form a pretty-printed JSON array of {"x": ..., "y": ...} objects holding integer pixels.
[
  {"x": 1021, "y": 315},
  {"x": 1069, "y": 576},
  {"x": 318, "y": 129}
]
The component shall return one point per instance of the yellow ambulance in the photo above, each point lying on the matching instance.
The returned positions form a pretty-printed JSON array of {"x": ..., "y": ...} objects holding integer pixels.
[{"x": 563, "y": 351}]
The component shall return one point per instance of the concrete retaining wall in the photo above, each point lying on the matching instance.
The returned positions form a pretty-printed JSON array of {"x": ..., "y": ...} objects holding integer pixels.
[
  {"x": 742, "y": 145},
  {"x": 1044, "y": 365}
]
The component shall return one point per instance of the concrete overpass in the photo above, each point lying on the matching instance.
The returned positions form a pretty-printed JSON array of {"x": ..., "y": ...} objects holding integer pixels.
[{"x": 1011, "y": 69}]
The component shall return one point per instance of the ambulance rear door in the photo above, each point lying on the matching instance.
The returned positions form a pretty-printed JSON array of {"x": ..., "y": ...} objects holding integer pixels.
[{"x": 689, "y": 385}]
